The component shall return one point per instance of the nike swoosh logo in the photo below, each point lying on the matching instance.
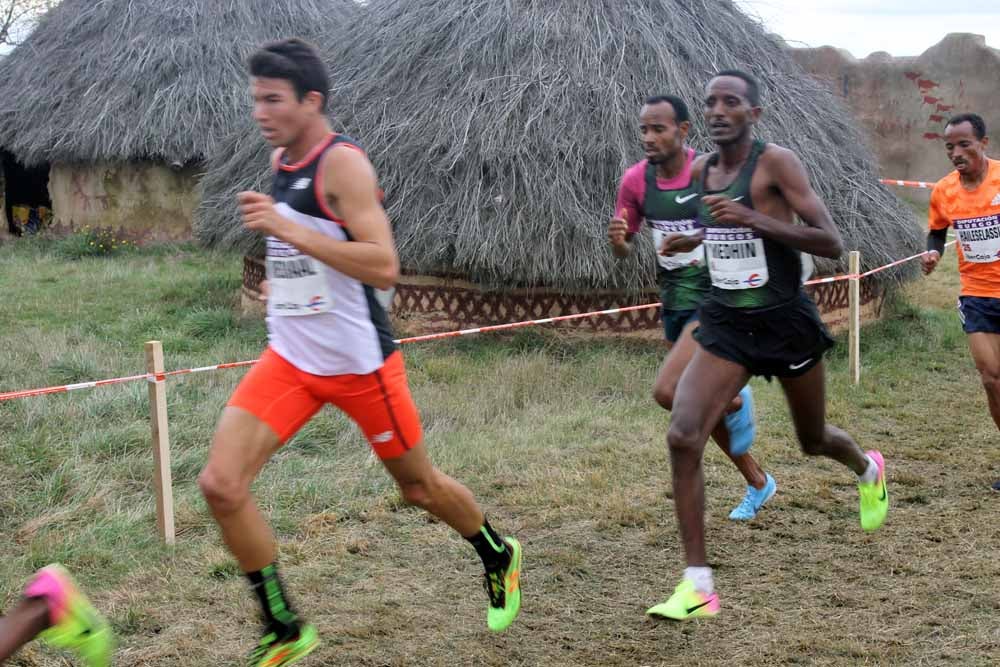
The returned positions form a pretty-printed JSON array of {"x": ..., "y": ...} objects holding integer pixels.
[
  {"x": 681, "y": 200},
  {"x": 796, "y": 367},
  {"x": 738, "y": 198},
  {"x": 695, "y": 608},
  {"x": 883, "y": 492}
]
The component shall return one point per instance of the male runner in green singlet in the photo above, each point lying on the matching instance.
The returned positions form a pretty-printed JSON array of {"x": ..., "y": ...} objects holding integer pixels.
[
  {"x": 663, "y": 190},
  {"x": 756, "y": 320}
]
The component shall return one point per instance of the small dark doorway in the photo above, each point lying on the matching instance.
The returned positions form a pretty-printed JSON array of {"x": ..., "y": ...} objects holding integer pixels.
[{"x": 27, "y": 206}]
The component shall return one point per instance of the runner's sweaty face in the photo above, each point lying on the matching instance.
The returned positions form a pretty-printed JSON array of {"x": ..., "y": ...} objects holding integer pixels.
[
  {"x": 278, "y": 111},
  {"x": 729, "y": 115},
  {"x": 662, "y": 136},
  {"x": 965, "y": 151}
]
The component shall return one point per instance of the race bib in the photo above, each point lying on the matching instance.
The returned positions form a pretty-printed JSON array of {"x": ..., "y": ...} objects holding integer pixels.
[
  {"x": 298, "y": 286},
  {"x": 736, "y": 258},
  {"x": 687, "y": 227},
  {"x": 980, "y": 238}
]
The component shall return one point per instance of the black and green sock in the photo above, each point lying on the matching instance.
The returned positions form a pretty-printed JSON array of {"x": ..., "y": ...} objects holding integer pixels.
[
  {"x": 278, "y": 615},
  {"x": 491, "y": 548}
]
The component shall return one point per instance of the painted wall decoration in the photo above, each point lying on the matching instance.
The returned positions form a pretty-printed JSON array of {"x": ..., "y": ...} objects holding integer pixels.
[{"x": 904, "y": 103}]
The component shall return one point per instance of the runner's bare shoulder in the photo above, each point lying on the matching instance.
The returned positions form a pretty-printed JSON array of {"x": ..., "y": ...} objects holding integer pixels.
[
  {"x": 346, "y": 162},
  {"x": 783, "y": 166},
  {"x": 346, "y": 168},
  {"x": 779, "y": 158},
  {"x": 699, "y": 165}
]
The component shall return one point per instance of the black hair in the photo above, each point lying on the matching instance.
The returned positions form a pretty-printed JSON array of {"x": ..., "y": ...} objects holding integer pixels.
[
  {"x": 753, "y": 88},
  {"x": 680, "y": 109},
  {"x": 977, "y": 122},
  {"x": 295, "y": 61}
]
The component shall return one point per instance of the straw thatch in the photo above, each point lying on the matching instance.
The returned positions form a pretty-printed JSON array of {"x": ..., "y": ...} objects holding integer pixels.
[
  {"x": 122, "y": 80},
  {"x": 501, "y": 129}
]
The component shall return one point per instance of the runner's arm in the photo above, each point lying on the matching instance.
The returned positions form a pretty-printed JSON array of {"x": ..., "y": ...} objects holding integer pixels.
[
  {"x": 628, "y": 218},
  {"x": 676, "y": 242},
  {"x": 819, "y": 236},
  {"x": 936, "y": 239},
  {"x": 370, "y": 255},
  {"x": 937, "y": 232},
  {"x": 619, "y": 235}
]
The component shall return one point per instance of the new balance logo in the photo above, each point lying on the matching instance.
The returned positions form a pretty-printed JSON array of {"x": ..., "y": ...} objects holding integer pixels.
[
  {"x": 383, "y": 438},
  {"x": 996, "y": 200},
  {"x": 301, "y": 184},
  {"x": 681, "y": 200}
]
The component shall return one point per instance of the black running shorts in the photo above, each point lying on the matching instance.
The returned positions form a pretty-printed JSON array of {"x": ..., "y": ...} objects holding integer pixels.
[{"x": 784, "y": 341}]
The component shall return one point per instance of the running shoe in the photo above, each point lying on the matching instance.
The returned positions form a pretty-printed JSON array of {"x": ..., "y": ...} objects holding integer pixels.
[
  {"x": 504, "y": 589},
  {"x": 274, "y": 652},
  {"x": 874, "y": 497},
  {"x": 754, "y": 500},
  {"x": 687, "y": 603},
  {"x": 76, "y": 625}
]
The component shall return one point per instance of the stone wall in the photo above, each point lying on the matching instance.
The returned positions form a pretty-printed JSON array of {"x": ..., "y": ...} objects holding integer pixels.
[
  {"x": 145, "y": 201},
  {"x": 903, "y": 103}
]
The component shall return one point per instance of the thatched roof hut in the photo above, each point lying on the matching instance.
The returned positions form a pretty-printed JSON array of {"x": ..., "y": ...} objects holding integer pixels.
[
  {"x": 500, "y": 131},
  {"x": 113, "y": 93}
]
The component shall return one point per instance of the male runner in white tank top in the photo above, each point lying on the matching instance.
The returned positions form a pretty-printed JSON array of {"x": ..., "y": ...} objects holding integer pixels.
[{"x": 329, "y": 245}]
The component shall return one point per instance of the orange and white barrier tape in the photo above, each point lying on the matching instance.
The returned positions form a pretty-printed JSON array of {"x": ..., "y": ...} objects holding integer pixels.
[
  {"x": 900, "y": 261},
  {"x": 831, "y": 279},
  {"x": 159, "y": 377},
  {"x": 515, "y": 325},
  {"x": 152, "y": 377},
  {"x": 908, "y": 184}
]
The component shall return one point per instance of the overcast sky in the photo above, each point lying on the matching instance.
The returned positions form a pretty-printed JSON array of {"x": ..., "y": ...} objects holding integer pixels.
[{"x": 901, "y": 27}]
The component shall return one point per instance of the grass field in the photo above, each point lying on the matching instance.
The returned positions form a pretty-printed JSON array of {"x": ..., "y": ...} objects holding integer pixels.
[{"x": 558, "y": 438}]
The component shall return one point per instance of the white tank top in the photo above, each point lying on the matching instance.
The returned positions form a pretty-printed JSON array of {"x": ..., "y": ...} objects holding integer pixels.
[{"x": 318, "y": 319}]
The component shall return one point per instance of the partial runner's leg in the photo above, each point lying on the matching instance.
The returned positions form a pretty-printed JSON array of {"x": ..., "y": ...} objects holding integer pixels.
[
  {"x": 25, "y": 622},
  {"x": 665, "y": 387},
  {"x": 806, "y": 396},
  {"x": 705, "y": 390}
]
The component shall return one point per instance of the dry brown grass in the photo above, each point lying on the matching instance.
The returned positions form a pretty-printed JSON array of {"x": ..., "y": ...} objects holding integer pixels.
[{"x": 559, "y": 440}]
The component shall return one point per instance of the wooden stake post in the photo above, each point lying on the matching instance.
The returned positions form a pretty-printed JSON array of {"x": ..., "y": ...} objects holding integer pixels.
[
  {"x": 854, "y": 299},
  {"x": 161, "y": 443}
]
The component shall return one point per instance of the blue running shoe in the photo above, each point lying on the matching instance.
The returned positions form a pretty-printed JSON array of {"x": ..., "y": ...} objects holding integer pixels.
[
  {"x": 754, "y": 500},
  {"x": 742, "y": 429}
]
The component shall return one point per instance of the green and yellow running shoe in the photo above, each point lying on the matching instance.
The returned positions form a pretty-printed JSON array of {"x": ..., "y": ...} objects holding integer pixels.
[
  {"x": 874, "y": 497},
  {"x": 76, "y": 625},
  {"x": 274, "y": 652},
  {"x": 504, "y": 589},
  {"x": 686, "y": 603}
]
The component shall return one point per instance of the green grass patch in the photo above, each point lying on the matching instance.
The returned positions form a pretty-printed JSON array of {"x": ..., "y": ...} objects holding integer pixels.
[
  {"x": 89, "y": 242},
  {"x": 557, "y": 436}
]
